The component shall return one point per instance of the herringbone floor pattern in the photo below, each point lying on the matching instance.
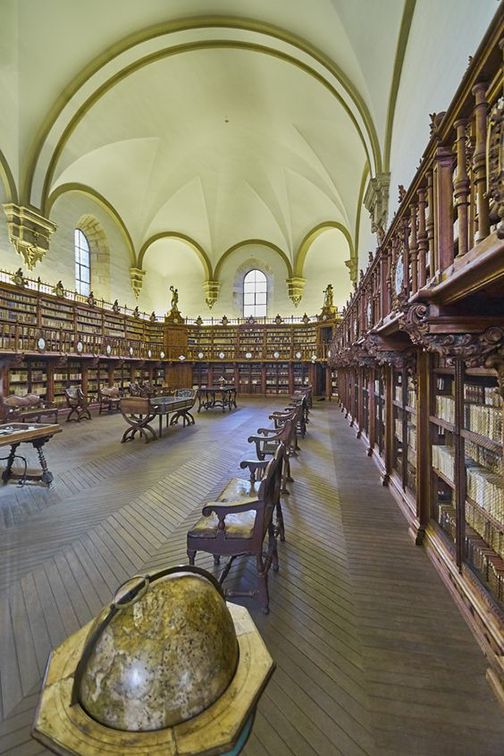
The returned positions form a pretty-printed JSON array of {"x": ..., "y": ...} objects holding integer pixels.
[{"x": 372, "y": 656}]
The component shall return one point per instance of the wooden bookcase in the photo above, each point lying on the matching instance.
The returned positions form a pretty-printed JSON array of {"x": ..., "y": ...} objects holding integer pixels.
[{"x": 419, "y": 353}]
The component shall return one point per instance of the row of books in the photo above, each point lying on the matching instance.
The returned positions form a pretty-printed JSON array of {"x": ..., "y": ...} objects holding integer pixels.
[
  {"x": 487, "y": 562},
  {"x": 447, "y": 518},
  {"x": 485, "y": 420},
  {"x": 445, "y": 408},
  {"x": 443, "y": 460},
  {"x": 492, "y": 535},
  {"x": 486, "y": 488},
  {"x": 482, "y": 395}
]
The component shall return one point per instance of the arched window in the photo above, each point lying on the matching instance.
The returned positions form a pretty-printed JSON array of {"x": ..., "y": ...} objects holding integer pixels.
[
  {"x": 255, "y": 294},
  {"x": 82, "y": 263}
]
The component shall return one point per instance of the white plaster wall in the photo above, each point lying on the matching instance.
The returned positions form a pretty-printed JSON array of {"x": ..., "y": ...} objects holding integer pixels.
[
  {"x": 325, "y": 264},
  {"x": 170, "y": 262},
  {"x": 231, "y": 277},
  {"x": 9, "y": 90},
  {"x": 435, "y": 61},
  {"x": 367, "y": 240},
  {"x": 58, "y": 264},
  {"x": 9, "y": 259}
]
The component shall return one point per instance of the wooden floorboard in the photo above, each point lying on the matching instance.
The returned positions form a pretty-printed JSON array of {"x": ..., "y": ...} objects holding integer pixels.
[{"x": 372, "y": 656}]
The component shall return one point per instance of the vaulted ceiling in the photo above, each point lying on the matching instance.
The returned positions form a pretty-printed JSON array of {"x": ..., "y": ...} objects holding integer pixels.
[{"x": 259, "y": 121}]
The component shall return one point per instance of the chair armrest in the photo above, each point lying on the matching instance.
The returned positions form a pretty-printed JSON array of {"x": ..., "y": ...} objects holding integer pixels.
[
  {"x": 254, "y": 466},
  {"x": 223, "y": 508},
  {"x": 267, "y": 431}
]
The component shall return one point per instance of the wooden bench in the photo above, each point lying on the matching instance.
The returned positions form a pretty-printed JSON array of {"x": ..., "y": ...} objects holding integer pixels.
[
  {"x": 29, "y": 408},
  {"x": 140, "y": 411},
  {"x": 78, "y": 403},
  {"x": 237, "y": 523},
  {"x": 109, "y": 398}
]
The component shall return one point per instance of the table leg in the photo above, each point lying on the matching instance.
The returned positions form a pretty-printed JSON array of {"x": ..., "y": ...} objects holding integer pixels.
[
  {"x": 10, "y": 461},
  {"x": 47, "y": 476}
]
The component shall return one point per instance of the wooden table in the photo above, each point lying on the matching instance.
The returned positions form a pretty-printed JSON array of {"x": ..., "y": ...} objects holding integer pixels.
[
  {"x": 217, "y": 396},
  {"x": 139, "y": 412},
  {"x": 37, "y": 434}
]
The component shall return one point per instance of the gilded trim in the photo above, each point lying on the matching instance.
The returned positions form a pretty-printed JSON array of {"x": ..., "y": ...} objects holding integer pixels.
[
  {"x": 310, "y": 237},
  {"x": 202, "y": 255},
  {"x": 402, "y": 43},
  {"x": 248, "y": 242},
  {"x": 100, "y": 199},
  {"x": 158, "y": 30},
  {"x": 7, "y": 179}
]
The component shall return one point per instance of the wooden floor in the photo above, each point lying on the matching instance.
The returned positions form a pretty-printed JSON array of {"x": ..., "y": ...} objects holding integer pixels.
[{"x": 372, "y": 655}]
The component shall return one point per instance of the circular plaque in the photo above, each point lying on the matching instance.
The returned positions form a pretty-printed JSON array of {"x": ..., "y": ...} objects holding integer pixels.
[
  {"x": 298, "y": 355},
  {"x": 276, "y": 355},
  {"x": 41, "y": 344},
  {"x": 108, "y": 349},
  {"x": 162, "y": 355},
  {"x": 221, "y": 355},
  {"x": 79, "y": 347},
  {"x": 131, "y": 351},
  {"x": 149, "y": 354},
  {"x": 248, "y": 355},
  {"x": 181, "y": 357}
]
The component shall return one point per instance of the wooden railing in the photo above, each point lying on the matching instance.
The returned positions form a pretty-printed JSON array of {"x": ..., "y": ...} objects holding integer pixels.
[{"x": 453, "y": 211}]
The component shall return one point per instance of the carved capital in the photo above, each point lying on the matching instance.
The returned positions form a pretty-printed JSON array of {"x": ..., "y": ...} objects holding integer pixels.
[
  {"x": 211, "y": 289},
  {"x": 376, "y": 200},
  {"x": 136, "y": 280},
  {"x": 352, "y": 268},
  {"x": 29, "y": 233},
  {"x": 296, "y": 286}
]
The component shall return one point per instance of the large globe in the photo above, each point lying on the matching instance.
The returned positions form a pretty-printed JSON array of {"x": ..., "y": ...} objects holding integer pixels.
[{"x": 162, "y": 659}]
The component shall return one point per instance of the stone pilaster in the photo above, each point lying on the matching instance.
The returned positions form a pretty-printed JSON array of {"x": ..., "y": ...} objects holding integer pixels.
[
  {"x": 136, "y": 279},
  {"x": 211, "y": 289},
  {"x": 296, "y": 286},
  {"x": 29, "y": 233}
]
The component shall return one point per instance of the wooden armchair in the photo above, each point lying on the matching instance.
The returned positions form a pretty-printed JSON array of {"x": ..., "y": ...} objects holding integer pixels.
[
  {"x": 237, "y": 525},
  {"x": 31, "y": 408},
  {"x": 109, "y": 398},
  {"x": 78, "y": 403},
  {"x": 267, "y": 442}
]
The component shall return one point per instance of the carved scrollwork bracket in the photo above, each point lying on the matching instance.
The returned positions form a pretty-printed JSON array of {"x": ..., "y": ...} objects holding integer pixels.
[
  {"x": 414, "y": 321},
  {"x": 474, "y": 349}
]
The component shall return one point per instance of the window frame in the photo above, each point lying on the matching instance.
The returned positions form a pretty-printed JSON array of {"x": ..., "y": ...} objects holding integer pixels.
[
  {"x": 82, "y": 250},
  {"x": 255, "y": 309}
]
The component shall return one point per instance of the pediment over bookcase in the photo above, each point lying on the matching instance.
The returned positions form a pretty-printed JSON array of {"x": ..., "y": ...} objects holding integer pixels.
[
  {"x": 454, "y": 337},
  {"x": 385, "y": 352}
]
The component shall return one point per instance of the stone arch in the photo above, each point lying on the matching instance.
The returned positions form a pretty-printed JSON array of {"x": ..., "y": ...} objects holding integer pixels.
[
  {"x": 100, "y": 255},
  {"x": 314, "y": 234}
]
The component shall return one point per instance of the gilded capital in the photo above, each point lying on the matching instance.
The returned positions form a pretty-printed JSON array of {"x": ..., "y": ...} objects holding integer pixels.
[
  {"x": 136, "y": 280},
  {"x": 29, "y": 233},
  {"x": 211, "y": 289},
  {"x": 296, "y": 286}
]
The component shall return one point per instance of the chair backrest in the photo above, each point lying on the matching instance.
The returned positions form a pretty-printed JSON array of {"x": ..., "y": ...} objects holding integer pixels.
[
  {"x": 110, "y": 392},
  {"x": 269, "y": 490}
]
